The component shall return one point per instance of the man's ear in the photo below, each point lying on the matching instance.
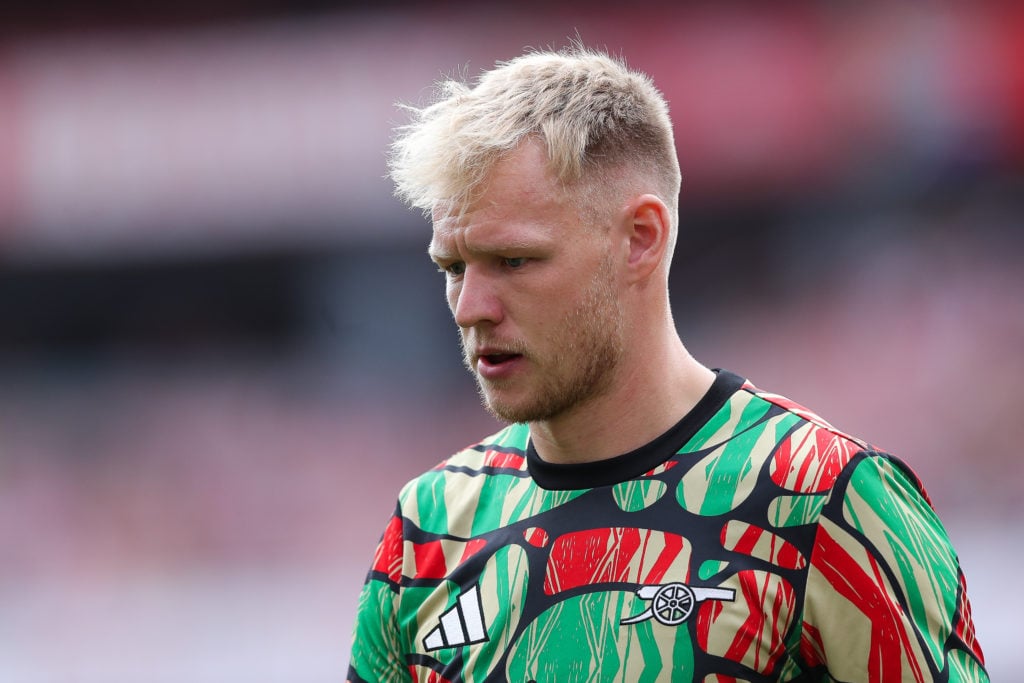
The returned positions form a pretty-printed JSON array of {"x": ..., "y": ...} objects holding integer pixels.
[{"x": 648, "y": 228}]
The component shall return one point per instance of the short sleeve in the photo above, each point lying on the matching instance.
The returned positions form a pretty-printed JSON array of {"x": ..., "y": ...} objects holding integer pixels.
[{"x": 885, "y": 598}]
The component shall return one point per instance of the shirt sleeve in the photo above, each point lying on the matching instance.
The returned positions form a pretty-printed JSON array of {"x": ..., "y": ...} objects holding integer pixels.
[
  {"x": 377, "y": 655},
  {"x": 886, "y": 598}
]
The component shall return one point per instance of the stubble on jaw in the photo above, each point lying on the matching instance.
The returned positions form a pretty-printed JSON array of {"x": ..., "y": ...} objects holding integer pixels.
[{"x": 582, "y": 366}]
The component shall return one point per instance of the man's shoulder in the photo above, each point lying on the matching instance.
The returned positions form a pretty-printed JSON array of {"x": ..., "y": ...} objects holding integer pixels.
[
  {"x": 813, "y": 453},
  {"x": 806, "y": 415}
]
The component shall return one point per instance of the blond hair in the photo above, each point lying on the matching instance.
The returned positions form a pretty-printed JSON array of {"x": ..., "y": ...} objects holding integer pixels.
[{"x": 600, "y": 122}]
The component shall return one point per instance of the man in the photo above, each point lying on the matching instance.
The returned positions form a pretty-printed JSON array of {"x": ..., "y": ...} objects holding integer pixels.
[{"x": 642, "y": 518}]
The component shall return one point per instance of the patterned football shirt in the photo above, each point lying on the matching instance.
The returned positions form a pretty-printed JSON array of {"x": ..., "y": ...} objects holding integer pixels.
[{"x": 751, "y": 542}]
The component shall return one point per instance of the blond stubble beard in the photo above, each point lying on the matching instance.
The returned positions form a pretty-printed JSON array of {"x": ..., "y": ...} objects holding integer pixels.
[{"x": 584, "y": 362}]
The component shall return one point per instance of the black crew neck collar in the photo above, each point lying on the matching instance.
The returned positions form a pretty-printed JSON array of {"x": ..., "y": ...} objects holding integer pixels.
[{"x": 559, "y": 476}]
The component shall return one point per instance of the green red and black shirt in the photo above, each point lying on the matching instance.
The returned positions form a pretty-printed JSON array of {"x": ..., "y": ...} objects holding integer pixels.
[{"x": 751, "y": 542}]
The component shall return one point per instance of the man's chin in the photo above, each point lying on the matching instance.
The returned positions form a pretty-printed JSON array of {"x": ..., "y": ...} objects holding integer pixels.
[
  {"x": 511, "y": 416},
  {"x": 510, "y": 411}
]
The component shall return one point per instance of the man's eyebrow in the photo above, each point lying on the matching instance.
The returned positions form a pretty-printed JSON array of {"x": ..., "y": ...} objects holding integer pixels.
[
  {"x": 510, "y": 244},
  {"x": 437, "y": 253}
]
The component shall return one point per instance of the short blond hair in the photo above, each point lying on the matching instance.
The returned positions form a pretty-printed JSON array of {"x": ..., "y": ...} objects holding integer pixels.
[{"x": 595, "y": 116}]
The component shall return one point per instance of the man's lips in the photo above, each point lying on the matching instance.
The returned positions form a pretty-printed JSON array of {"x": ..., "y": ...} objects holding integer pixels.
[
  {"x": 497, "y": 358},
  {"x": 493, "y": 363}
]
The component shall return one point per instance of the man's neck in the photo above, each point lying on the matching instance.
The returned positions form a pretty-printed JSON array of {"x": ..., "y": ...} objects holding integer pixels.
[{"x": 645, "y": 403}]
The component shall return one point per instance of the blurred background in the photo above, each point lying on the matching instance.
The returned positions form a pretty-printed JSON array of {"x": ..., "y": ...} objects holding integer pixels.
[{"x": 223, "y": 349}]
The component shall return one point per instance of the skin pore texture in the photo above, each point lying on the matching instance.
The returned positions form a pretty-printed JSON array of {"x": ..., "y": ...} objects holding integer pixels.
[{"x": 564, "y": 313}]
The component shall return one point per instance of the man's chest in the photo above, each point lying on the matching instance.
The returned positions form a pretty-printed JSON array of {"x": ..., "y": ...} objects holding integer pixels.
[{"x": 629, "y": 592}]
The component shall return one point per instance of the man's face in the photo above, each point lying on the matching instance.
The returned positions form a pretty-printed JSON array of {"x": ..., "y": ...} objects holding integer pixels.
[{"x": 532, "y": 288}]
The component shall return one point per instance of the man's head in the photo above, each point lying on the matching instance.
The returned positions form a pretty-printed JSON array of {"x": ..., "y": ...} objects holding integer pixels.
[
  {"x": 605, "y": 128},
  {"x": 552, "y": 186}
]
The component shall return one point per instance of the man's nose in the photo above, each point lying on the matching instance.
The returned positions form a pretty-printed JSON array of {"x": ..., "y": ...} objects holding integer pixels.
[{"x": 475, "y": 300}]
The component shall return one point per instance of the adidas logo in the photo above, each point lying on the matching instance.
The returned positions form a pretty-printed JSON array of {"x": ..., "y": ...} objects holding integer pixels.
[{"x": 462, "y": 624}]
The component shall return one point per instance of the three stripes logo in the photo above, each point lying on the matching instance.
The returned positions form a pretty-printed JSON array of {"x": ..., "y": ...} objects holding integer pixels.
[{"x": 462, "y": 624}]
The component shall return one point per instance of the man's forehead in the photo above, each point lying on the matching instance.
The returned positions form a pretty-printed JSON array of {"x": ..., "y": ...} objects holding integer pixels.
[
  {"x": 474, "y": 233},
  {"x": 443, "y": 209},
  {"x": 443, "y": 226},
  {"x": 443, "y": 236},
  {"x": 436, "y": 247}
]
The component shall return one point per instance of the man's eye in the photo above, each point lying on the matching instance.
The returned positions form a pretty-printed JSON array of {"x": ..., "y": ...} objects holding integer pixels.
[
  {"x": 457, "y": 268},
  {"x": 517, "y": 262}
]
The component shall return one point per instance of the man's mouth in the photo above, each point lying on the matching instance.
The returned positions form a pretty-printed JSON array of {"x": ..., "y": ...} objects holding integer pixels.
[{"x": 496, "y": 359}]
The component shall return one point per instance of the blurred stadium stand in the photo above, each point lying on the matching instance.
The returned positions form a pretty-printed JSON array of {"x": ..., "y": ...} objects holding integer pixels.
[{"x": 223, "y": 350}]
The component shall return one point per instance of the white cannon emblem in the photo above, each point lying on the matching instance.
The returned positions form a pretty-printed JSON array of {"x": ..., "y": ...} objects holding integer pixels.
[{"x": 673, "y": 603}]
